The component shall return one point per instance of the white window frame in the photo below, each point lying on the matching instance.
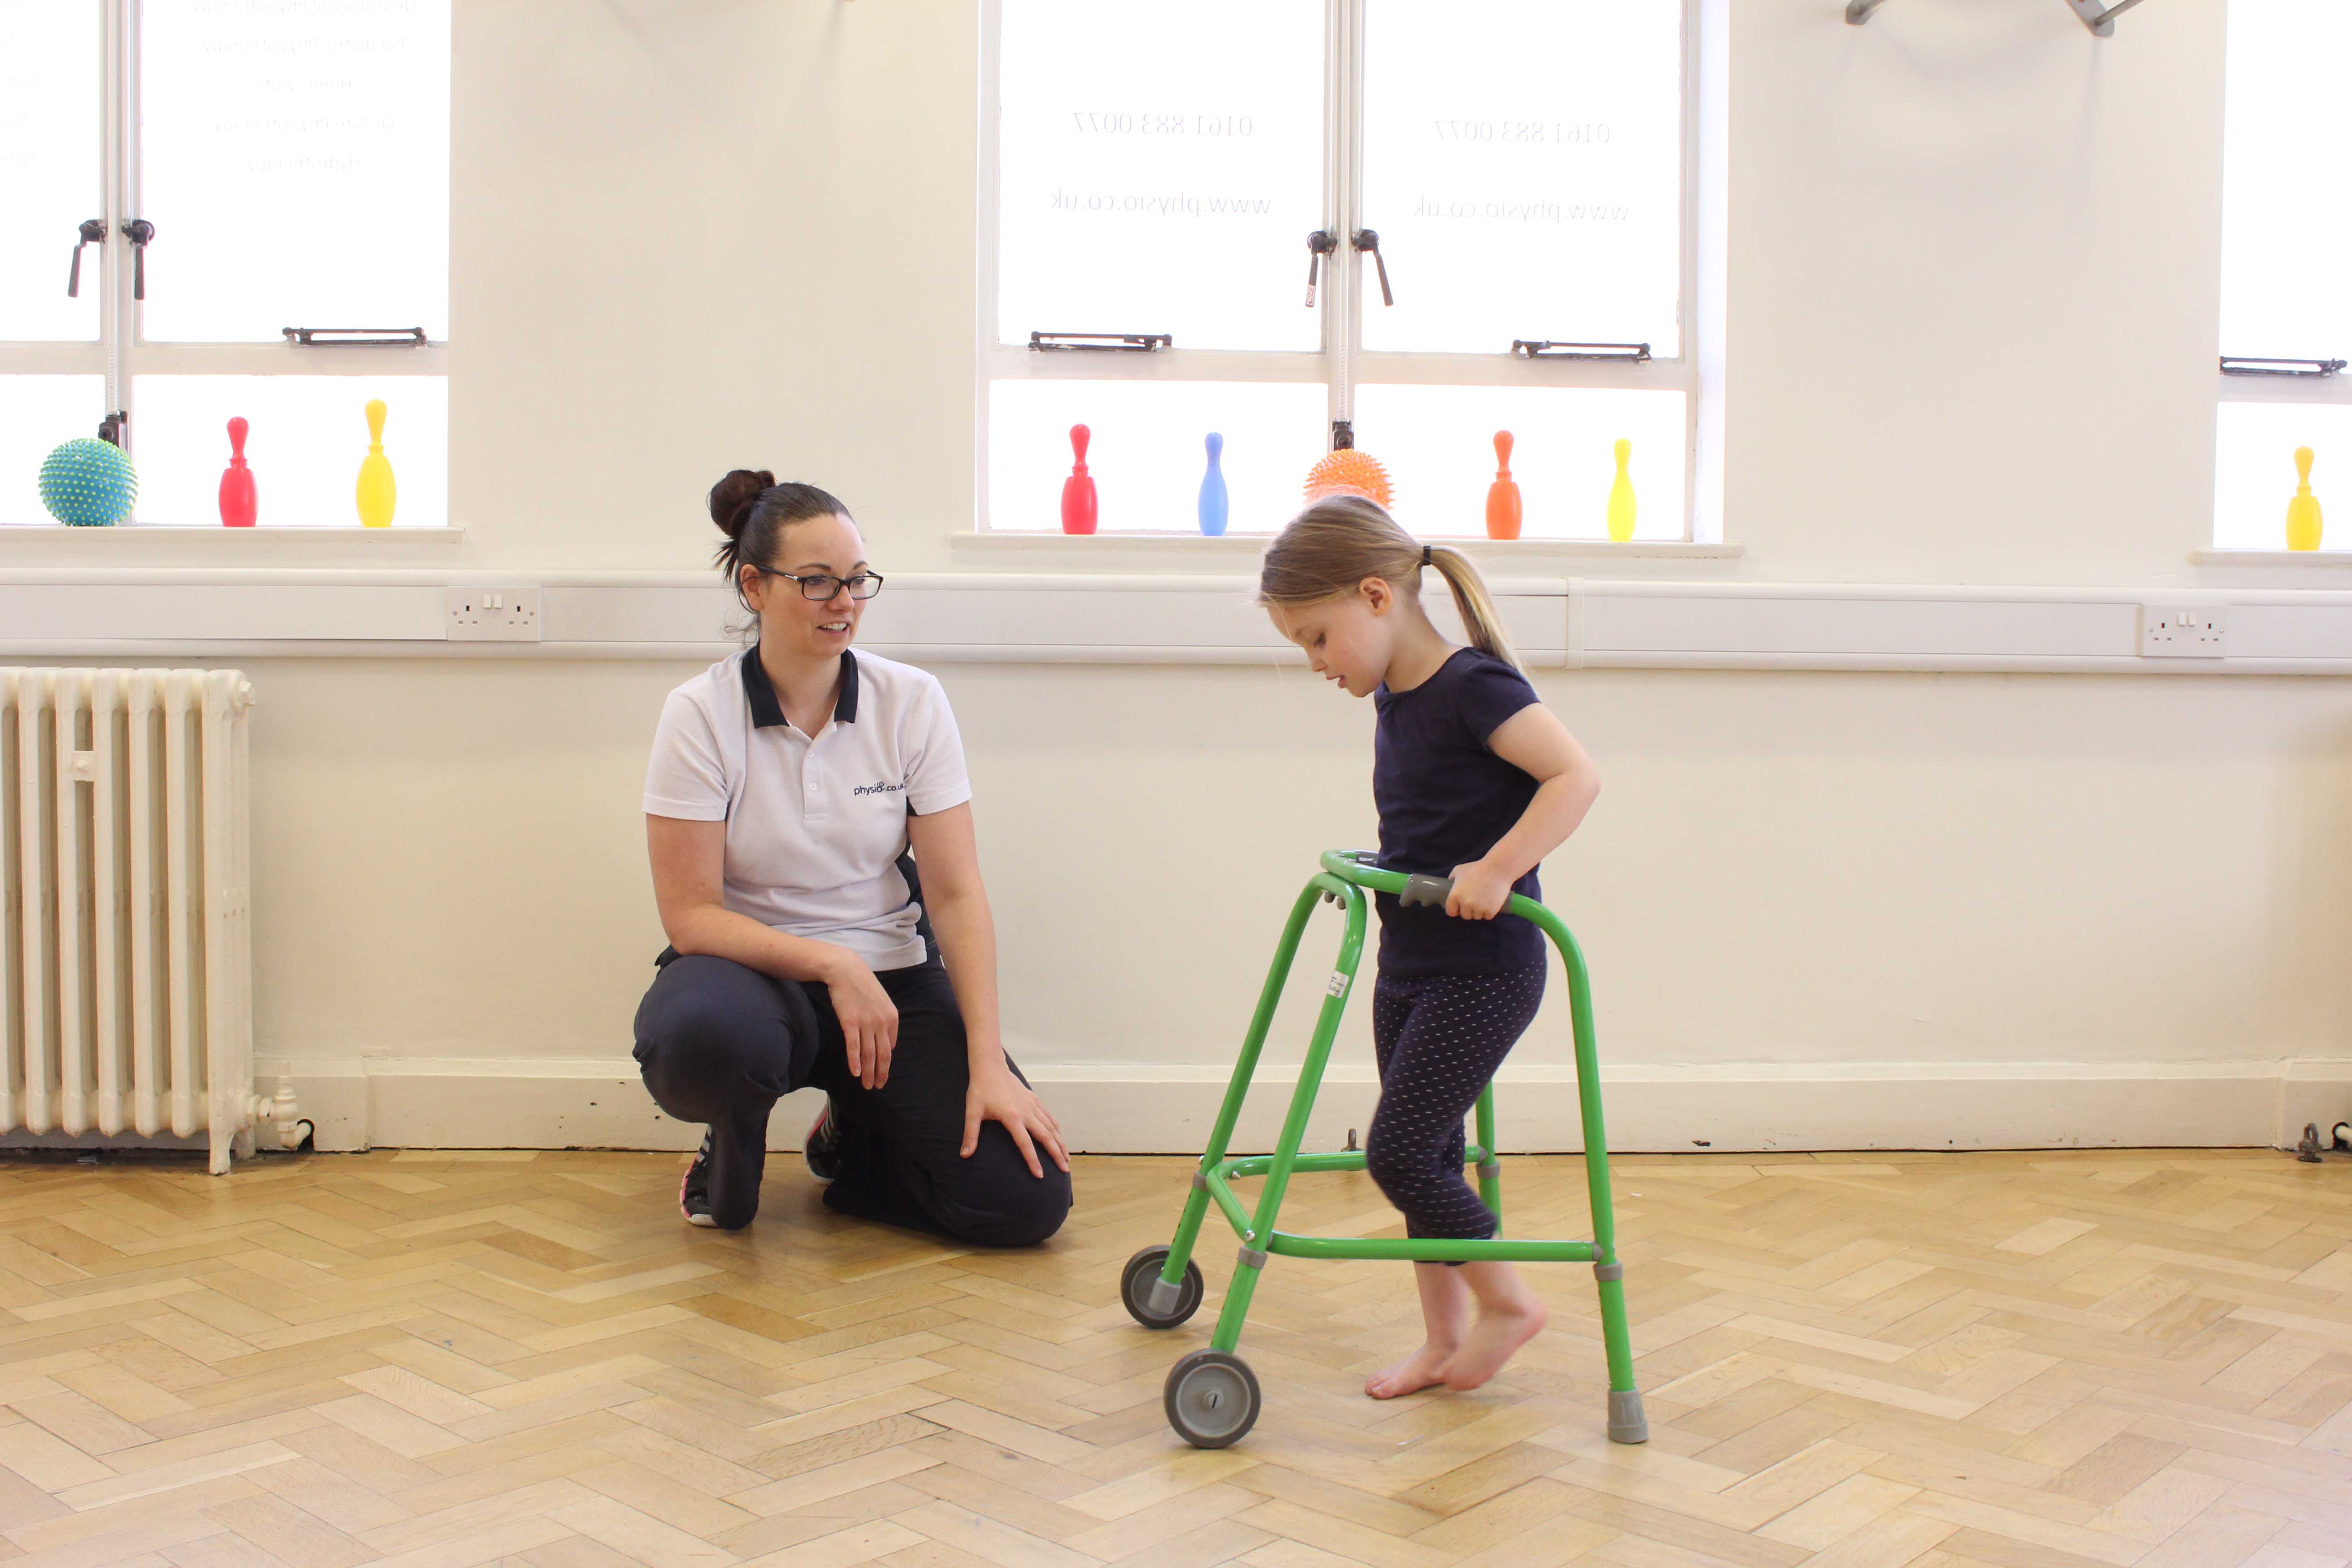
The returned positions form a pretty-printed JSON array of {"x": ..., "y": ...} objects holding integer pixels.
[
  {"x": 1341, "y": 362},
  {"x": 2307, "y": 390},
  {"x": 122, "y": 353}
]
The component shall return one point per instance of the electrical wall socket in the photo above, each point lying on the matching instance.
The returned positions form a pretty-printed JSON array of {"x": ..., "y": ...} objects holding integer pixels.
[
  {"x": 501, "y": 612},
  {"x": 2184, "y": 631}
]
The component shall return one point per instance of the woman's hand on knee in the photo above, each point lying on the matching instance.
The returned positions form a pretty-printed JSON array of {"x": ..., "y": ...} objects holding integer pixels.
[
  {"x": 999, "y": 1096},
  {"x": 869, "y": 1020}
]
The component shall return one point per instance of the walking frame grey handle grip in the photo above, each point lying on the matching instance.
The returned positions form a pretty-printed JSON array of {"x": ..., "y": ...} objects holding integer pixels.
[{"x": 1430, "y": 890}]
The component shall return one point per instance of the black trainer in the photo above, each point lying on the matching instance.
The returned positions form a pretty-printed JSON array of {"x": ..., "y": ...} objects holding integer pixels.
[
  {"x": 694, "y": 1192},
  {"x": 823, "y": 1149}
]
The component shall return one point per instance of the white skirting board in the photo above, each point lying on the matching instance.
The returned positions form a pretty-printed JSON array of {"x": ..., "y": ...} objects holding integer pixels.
[{"x": 433, "y": 1103}]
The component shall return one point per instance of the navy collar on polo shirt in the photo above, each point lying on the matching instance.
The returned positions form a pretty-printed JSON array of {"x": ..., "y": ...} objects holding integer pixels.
[{"x": 761, "y": 692}]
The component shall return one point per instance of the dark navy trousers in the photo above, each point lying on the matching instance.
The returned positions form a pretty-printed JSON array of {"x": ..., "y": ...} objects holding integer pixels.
[
  {"x": 1439, "y": 1040},
  {"x": 719, "y": 1043}
]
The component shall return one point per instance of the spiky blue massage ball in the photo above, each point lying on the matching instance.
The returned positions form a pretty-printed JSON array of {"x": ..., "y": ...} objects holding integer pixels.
[{"x": 88, "y": 483}]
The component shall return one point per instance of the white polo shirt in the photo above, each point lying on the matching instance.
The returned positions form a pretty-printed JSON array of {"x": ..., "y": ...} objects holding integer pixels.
[{"x": 816, "y": 830}]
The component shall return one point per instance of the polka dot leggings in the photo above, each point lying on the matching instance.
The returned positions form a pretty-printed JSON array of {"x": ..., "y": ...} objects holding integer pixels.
[{"x": 1439, "y": 1039}]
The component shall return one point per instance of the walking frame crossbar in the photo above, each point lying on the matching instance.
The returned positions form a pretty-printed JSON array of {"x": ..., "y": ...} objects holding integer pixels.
[
  {"x": 1417, "y": 1251},
  {"x": 1345, "y": 879}
]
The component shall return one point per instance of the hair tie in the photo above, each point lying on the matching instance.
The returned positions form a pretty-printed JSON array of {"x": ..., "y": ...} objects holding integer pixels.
[{"x": 1424, "y": 555}]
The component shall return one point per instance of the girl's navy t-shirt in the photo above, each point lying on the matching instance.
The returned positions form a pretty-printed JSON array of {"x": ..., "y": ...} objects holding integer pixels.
[{"x": 1445, "y": 799}]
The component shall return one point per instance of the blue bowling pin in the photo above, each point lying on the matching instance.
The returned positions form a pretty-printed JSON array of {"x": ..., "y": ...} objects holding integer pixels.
[{"x": 1213, "y": 504}]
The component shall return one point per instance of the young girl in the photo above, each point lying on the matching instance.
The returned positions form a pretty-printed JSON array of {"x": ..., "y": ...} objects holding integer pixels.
[{"x": 1475, "y": 780}]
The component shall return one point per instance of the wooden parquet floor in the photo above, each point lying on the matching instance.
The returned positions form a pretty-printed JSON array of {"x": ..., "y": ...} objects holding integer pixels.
[{"x": 438, "y": 1360}]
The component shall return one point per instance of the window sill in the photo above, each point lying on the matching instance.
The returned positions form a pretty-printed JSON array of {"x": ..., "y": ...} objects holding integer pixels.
[
  {"x": 1231, "y": 545},
  {"x": 211, "y": 531},
  {"x": 2338, "y": 558},
  {"x": 24, "y": 544}
]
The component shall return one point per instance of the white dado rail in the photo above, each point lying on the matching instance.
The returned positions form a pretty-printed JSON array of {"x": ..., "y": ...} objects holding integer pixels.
[{"x": 1156, "y": 619}]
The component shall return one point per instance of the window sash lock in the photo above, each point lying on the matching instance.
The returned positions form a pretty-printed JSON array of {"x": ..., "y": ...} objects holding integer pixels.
[
  {"x": 1099, "y": 343},
  {"x": 326, "y": 337},
  {"x": 1544, "y": 348},
  {"x": 2247, "y": 365}
]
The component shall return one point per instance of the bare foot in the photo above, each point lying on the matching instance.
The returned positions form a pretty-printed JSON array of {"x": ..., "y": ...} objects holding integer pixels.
[
  {"x": 1493, "y": 1339},
  {"x": 1424, "y": 1368}
]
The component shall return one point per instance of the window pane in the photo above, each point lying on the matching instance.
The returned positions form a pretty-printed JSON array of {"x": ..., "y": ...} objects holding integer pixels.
[
  {"x": 1438, "y": 446},
  {"x": 2253, "y": 472},
  {"x": 1160, "y": 168},
  {"x": 2286, "y": 208},
  {"x": 306, "y": 436},
  {"x": 49, "y": 180},
  {"x": 1147, "y": 450},
  {"x": 1523, "y": 169},
  {"x": 296, "y": 167},
  {"x": 38, "y": 412}
]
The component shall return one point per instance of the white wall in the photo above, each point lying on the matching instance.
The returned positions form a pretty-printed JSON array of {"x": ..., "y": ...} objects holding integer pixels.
[
  {"x": 1974, "y": 261},
  {"x": 1973, "y": 258}
]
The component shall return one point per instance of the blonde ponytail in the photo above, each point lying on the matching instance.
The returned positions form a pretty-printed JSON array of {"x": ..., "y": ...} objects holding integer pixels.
[
  {"x": 1340, "y": 540},
  {"x": 1473, "y": 603}
]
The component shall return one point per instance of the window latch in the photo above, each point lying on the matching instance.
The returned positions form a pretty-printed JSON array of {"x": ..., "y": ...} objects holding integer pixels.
[
  {"x": 1534, "y": 348},
  {"x": 324, "y": 337},
  {"x": 1100, "y": 343},
  {"x": 110, "y": 429},
  {"x": 93, "y": 232},
  {"x": 1318, "y": 245},
  {"x": 2242, "y": 364},
  {"x": 137, "y": 231},
  {"x": 2096, "y": 15},
  {"x": 1370, "y": 239}
]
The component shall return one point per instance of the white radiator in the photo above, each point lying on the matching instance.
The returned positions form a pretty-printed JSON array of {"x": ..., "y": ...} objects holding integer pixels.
[{"x": 125, "y": 852}]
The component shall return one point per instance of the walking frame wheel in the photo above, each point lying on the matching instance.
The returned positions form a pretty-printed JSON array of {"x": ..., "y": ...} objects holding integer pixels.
[
  {"x": 1211, "y": 1399},
  {"x": 1151, "y": 1301}
]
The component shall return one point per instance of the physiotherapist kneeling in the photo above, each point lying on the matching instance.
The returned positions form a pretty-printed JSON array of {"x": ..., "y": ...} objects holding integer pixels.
[{"x": 794, "y": 791}]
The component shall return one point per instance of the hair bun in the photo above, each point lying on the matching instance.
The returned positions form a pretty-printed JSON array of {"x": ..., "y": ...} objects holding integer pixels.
[{"x": 732, "y": 498}]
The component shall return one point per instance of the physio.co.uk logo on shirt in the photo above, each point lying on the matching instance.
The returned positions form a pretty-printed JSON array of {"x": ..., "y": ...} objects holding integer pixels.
[{"x": 878, "y": 789}]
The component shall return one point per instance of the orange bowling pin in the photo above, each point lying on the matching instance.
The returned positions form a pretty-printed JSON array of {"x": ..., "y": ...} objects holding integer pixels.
[{"x": 1504, "y": 508}]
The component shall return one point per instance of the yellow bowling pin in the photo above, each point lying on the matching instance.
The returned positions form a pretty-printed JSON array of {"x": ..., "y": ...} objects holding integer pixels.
[
  {"x": 2302, "y": 510},
  {"x": 1621, "y": 496},
  {"x": 377, "y": 494}
]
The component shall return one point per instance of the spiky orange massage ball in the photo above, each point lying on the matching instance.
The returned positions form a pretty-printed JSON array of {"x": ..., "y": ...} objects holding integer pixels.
[{"x": 1350, "y": 472}]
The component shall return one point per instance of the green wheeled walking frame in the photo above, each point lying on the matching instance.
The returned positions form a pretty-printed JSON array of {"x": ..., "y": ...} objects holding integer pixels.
[{"x": 1212, "y": 1397}]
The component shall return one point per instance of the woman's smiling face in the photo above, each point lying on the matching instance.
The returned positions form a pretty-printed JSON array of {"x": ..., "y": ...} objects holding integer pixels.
[{"x": 790, "y": 624}]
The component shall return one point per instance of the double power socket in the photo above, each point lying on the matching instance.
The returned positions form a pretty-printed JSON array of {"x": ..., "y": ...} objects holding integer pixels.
[
  {"x": 2184, "y": 631},
  {"x": 493, "y": 612}
]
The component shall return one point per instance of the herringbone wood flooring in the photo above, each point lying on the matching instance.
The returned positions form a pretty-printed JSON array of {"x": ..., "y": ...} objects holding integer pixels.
[{"x": 434, "y": 1359}]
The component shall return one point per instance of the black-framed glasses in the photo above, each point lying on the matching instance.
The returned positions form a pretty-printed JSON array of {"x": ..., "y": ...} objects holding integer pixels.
[{"x": 821, "y": 585}]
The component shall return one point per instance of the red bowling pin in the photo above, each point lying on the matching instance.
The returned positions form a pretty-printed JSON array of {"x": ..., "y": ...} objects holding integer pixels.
[
  {"x": 1078, "y": 503},
  {"x": 240, "y": 503},
  {"x": 1503, "y": 505}
]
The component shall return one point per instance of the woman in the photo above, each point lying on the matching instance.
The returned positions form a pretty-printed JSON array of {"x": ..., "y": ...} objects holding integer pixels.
[{"x": 788, "y": 787}]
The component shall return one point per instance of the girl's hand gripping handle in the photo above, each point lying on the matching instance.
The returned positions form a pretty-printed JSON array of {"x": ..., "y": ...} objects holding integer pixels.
[{"x": 1431, "y": 891}]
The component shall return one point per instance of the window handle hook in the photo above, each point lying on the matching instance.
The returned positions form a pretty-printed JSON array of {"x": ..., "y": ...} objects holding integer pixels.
[
  {"x": 137, "y": 231},
  {"x": 1370, "y": 239},
  {"x": 93, "y": 232},
  {"x": 1318, "y": 245}
]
